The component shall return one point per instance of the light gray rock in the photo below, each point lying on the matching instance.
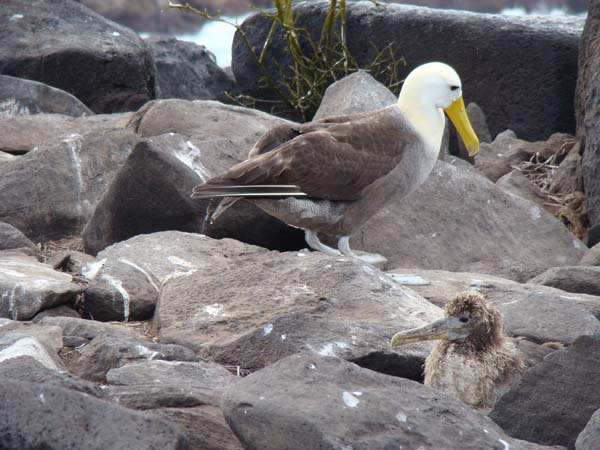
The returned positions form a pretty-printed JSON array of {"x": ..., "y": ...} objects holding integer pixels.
[
  {"x": 518, "y": 184},
  {"x": 460, "y": 221},
  {"x": 539, "y": 313},
  {"x": 579, "y": 279},
  {"x": 47, "y": 416},
  {"x": 28, "y": 286},
  {"x": 358, "y": 92},
  {"x": 50, "y": 192},
  {"x": 589, "y": 438},
  {"x": 19, "y": 96},
  {"x": 59, "y": 311},
  {"x": 258, "y": 307},
  {"x": 310, "y": 401},
  {"x": 592, "y": 257},
  {"x": 554, "y": 399}
]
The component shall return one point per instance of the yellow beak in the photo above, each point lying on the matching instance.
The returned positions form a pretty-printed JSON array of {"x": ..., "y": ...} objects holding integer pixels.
[
  {"x": 435, "y": 330},
  {"x": 458, "y": 115}
]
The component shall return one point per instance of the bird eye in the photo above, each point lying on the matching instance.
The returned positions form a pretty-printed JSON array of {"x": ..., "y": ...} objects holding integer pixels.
[
  {"x": 454, "y": 88},
  {"x": 464, "y": 319}
]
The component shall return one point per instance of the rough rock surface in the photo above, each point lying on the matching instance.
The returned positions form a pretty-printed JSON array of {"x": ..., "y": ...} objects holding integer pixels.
[
  {"x": 309, "y": 401},
  {"x": 11, "y": 238},
  {"x": 527, "y": 84},
  {"x": 187, "y": 70},
  {"x": 589, "y": 438},
  {"x": 592, "y": 257},
  {"x": 77, "y": 331},
  {"x": 554, "y": 399},
  {"x": 152, "y": 191},
  {"x": 19, "y": 96},
  {"x": 114, "y": 72},
  {"x": 259, "y": 307},
  {"x": 517, "y": 183},
  {"x": 50, "y": 192},
  {"x": 21, "y": 134},
  {"x": 460, "y": 221},
  {"x": 539, "y": 313},
  {"x": 33, "y": 421},
  {"x": 28, "y": 286},
  {"x": 587, "y": 108},
  {"x": 582, "y": 279},
  {"x": 359, "y": 92}
]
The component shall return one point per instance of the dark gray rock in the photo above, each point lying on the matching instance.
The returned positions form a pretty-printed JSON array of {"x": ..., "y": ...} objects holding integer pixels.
[
  {"x": 538, "y": 313},
  {"x": 592, "y": 257},
  {"x": 47, "y": 416},
  {"x": 122, "y": 291},
  {"x": 170, "y": 165},
  {"x": 587, "y": 109},
  {"x": 59, "y": 311},
  {"x": 359, "y": 92},
  {"x": 12, "y": 238},
  {"x": 50, "y": 192},
  {"x": 589, "y": 438},
  {"x": 108, "y": 352},
  {"x": 21, "y": 134},
  {"x": 568, "y": 177},
  {"x": 526, "y": 84},
  {"x": 460, "y": 221},
  {"x": 554, "y": 399},
  {"x": 188, "y": 71},
  {"x": 19, "y": 96},
  {"x": 308, "y": 401},
  {"x": 254, "y": 308},
  {"x": 28, "y": 286},
  {"x": 106, "y": 66},
  {"x": 518, "y": 184},
  {"x": 582, "y": 279}
]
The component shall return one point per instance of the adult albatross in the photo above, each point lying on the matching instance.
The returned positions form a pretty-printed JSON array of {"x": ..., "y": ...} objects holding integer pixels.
[
  {"x": 331, "y": 175},
  {"x": 473, "y": 361}
]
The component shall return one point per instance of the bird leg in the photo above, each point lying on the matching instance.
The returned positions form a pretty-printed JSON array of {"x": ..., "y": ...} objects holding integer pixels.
[
  {"x": 369, "y": 258},
  {"x": 312, "y": 239}
]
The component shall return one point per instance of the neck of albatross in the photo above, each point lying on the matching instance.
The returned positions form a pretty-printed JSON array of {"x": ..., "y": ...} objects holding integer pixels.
[{"x": 425, "y": 117}]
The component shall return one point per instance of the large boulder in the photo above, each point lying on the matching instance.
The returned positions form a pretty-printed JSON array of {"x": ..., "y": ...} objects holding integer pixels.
[
  {"x": 19, "y": 96},
  {"x": 68, "y": 46},
  {"x": 460, "y": 221},
  {"x": 538, "y": 313},
  {"x": 526, "y": 83},
  {"x": 581, "y": 279},
  {"x": 28, "y": 286},
  {"x": 254, "y": 308},
  {"x": 50, "y": 192},
  {"x": 187, "y": 70},
  {"x": 555, "y": 399},
  {"x": 48, "y": 416},
  {"x": 314, "y": 402},
  {"x": 587, "y": 109},
  {"x": 11, "y": 238},
  {"x": 589, "y": 438}
]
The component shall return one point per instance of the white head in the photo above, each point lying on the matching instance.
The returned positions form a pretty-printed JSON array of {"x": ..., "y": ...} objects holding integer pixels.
[{"x": 429, "y": 90}]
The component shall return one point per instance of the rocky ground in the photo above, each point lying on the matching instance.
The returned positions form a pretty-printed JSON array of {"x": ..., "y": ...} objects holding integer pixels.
[{"x": 129, "y": 321}]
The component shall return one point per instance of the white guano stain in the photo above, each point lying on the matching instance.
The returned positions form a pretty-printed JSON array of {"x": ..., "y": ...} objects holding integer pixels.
[
  {"x": 191, "y": 156},
  {"x": 506, "y": 444},
  {"x": 215, "y": 310},
  {"x": 91, "y": 269},
  {"x": 401, "y": 417},
  {"x": 330, "y": 349},
  {"x": 73, "y": 142},
  {"x": 181, "y": 262},
  {"x": 535, "y": 212},
  {"x": 41, "y": 397},
  {"x": 116, "y": 33},
  {"x": 118, "y": 285},
  {"x": 350, "y": 400},
  {"x": 146, "y": 352},
  {"x": 146, "y": 274},
  {"x": 267, "y": 329},
  {"x": 15, "y": 17},
  {"x": 578, "y": 245}
]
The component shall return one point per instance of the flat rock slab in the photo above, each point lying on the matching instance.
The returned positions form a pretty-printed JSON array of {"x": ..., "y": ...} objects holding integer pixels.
[
  {"x": 19, "y": 96},
  {"x": 256, "y": 308},
  {"x": 460, "y": 221},
  {"x": 554, "y": 399},
  {"x": 309, "y": 401},
  {"x": 28, "y": 286},
  {"x": 66, "y": 45},
  {"x": 580, "y": 279},
  {"x": 539, "y": 313},
  {"x": 46, "y": 416}
]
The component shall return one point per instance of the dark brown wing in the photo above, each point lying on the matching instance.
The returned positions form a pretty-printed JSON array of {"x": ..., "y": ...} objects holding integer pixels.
[{"x": 335, "y": 163}]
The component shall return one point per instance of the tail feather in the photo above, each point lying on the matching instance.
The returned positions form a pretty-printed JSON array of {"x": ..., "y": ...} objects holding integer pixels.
[{"x": 258, "y": 190}]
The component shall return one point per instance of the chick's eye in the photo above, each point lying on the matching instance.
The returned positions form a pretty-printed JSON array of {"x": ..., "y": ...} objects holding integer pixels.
[
  {"x": 464, "y": 319},
  {"x": 454, "y": 88}
]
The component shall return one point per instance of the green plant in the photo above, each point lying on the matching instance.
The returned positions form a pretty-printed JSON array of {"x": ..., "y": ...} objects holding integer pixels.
[{"x": 316, "y": 63}]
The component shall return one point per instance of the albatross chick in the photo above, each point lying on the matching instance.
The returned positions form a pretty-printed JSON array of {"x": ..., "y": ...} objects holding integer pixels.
[
  {"x": 330, "y": 176},
  {"x": 475, "y": 361}
]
